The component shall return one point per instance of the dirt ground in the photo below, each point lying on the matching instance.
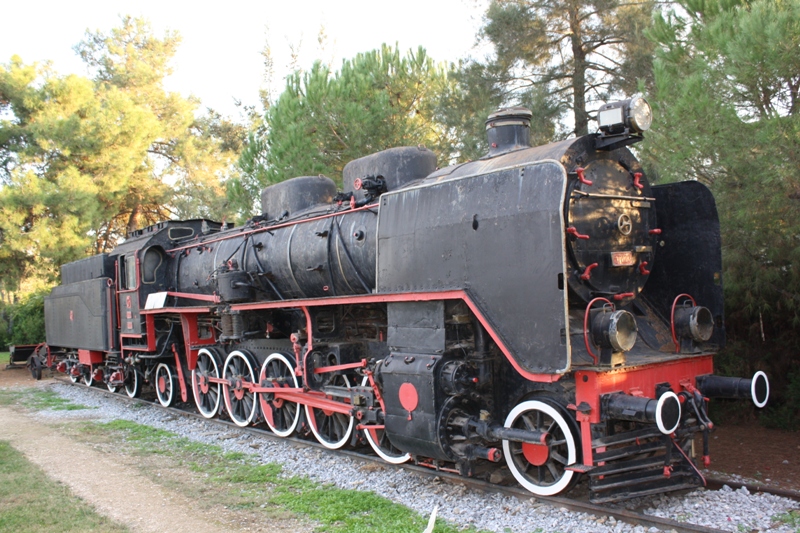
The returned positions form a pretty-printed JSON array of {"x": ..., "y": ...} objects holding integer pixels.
[
  {"x": 132, "y": 506},
  {"x": 142, "y": 505},
  {"x": 768, "y": 456}
]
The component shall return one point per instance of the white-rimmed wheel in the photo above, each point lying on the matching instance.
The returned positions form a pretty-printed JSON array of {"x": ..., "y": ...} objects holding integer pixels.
[
  {"x": 206, "y": 395},
  {"x": 380, "y": 442},
  {"x": 281, "y": 416},
  {"x": 72, "y": 364},
  {"x": 542, "y": 468},
  {"x": 86, "y": 376},
  {"x": 239, "y": 401},
  {"x": 333, "y": 430},
  {"x": 133, "y": 384},
  {"x": 165, "y": 384},
  {"x": 111, "y": 387}
]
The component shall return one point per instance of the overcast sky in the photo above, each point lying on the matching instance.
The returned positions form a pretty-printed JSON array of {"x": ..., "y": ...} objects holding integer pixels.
[{"x": 219, "y": 59}]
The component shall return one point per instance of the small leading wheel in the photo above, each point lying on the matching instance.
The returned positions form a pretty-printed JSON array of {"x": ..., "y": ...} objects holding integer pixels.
[
  {"x": 206, "y": 395},
  {"x": 380, "y": 442},
  {"x": 165, "y": 384},
  {"x": 332, "y": 429},
  {"x": 239, "y": 401},
  {"x": 133, "y": 385},
  {"x": 87, "y": 377},
  {"x": 281, "y": 416},
  {"x": 541, "y": 468}
]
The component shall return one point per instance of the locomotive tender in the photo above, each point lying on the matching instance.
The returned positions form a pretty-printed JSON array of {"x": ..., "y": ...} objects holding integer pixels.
[{"x": 542, "y": 309}]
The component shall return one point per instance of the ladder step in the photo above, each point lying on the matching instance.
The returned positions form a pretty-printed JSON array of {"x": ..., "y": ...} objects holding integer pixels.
[{"x": 628, "y": 466}]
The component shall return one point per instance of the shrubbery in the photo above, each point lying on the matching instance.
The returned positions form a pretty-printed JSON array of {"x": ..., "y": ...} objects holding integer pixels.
[{"x": 27, "y": 318}]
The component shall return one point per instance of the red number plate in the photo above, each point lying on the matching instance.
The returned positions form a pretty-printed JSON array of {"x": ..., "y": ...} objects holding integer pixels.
[{"x": 623, "y": 259}]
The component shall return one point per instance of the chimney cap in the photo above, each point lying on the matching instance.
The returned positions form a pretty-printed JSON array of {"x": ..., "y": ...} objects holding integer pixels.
[{"x": 510, "y": 116}]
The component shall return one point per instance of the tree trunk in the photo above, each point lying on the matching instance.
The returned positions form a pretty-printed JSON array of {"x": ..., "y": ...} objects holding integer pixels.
[
  {"x": 579, "y": 76},
  {"x": 133, "y": 220}
]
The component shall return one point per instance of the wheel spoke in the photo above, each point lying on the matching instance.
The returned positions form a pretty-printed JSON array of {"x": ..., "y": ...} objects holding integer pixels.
[
  {"x": 556, "y": 456},
  {"x": 552, "y": 469}
]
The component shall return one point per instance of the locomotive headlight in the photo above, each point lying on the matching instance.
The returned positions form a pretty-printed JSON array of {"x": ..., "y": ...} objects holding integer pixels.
[
  {"x": 634, "y": 114},
  {"x": 694, "y": 322},
  {"x": 640, "y": 114},
  {"x": 616, "y": 330}
]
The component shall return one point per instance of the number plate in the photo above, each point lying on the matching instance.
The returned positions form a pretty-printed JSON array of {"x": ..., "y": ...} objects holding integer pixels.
[{"x": 623, "y": 259}]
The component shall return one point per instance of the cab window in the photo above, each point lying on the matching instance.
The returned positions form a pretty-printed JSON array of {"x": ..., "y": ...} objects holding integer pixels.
[{"x": 127, "y": 271}]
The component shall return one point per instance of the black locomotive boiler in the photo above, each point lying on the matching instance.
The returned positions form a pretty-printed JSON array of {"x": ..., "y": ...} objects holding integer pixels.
[{"x": 542, "y": 312}]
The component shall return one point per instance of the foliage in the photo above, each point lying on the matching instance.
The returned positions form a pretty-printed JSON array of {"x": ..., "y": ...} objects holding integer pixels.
[
  {"x": 786, "y": 414},
  {"x": 323, "y": 119},
  {"x": 83, "y": 161},
  {"x": 28, "y": 319},
  {"x": 727, "y": 75},
  {"x": 5, "y": 326},
  {"x": 561, "y": 56}
]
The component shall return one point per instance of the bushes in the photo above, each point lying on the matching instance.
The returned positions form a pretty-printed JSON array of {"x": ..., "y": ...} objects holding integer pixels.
[{"x": 27, "y": 319}]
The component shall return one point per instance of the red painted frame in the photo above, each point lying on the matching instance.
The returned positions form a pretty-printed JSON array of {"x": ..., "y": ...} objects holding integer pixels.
[
  {"x": 189, "y": 317},
  {"x": 638, "y": 380},
  {"x": 90, "y": 357},
  {"x": 304, "y": 304}
]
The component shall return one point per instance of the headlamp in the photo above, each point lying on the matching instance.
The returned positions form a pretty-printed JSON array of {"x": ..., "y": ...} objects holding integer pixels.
[{"x": 633, "y": 114}]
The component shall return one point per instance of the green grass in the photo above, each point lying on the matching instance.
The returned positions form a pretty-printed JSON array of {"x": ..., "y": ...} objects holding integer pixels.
[
  {"x": 792, "y": 519},
  {"x": 30, "y": 502},
  {"x": 239, "y": 482},
  {"x": 38, "y": 399}
]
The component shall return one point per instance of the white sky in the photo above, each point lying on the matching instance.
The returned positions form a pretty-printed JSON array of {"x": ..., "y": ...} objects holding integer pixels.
[{"x": 219, "y": 58}]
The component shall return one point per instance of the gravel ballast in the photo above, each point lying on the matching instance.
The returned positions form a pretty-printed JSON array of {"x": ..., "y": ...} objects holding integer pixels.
[{"x": 726, "y": 509}]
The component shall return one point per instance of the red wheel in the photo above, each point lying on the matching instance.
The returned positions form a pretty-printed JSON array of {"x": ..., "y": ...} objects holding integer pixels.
[
  {"x": 281, "y": 416},
  {"x": 133, "y": 385},
  {"x": 331, "y": 429},
  {"x": 239, "y": 401},
  {"x": 541, "y": 468},
  {"x": 165, "y": 385},
  {"x": 380, "y": 442},
  {"x": 206, "y": 395},
  {"x": 86, "y": 377}
]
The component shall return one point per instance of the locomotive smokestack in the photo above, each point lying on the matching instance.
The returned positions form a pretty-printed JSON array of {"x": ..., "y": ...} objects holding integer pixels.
[{"x": 508, "y": 130}]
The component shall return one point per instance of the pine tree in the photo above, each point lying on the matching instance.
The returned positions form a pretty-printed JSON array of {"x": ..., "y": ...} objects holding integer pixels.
[
  {"x": 324, "y": 119},
  {"x": 562, "y": 56},
  {"x": 84, "y": 161},
  {"x": 727, "y": 76}
]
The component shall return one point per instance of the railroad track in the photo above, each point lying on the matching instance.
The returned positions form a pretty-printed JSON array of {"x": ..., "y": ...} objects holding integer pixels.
[{"x": 579, "y": 504}]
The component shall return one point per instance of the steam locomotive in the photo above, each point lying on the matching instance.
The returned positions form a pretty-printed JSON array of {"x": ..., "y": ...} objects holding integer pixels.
[{"x": 542, "y": 313}]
